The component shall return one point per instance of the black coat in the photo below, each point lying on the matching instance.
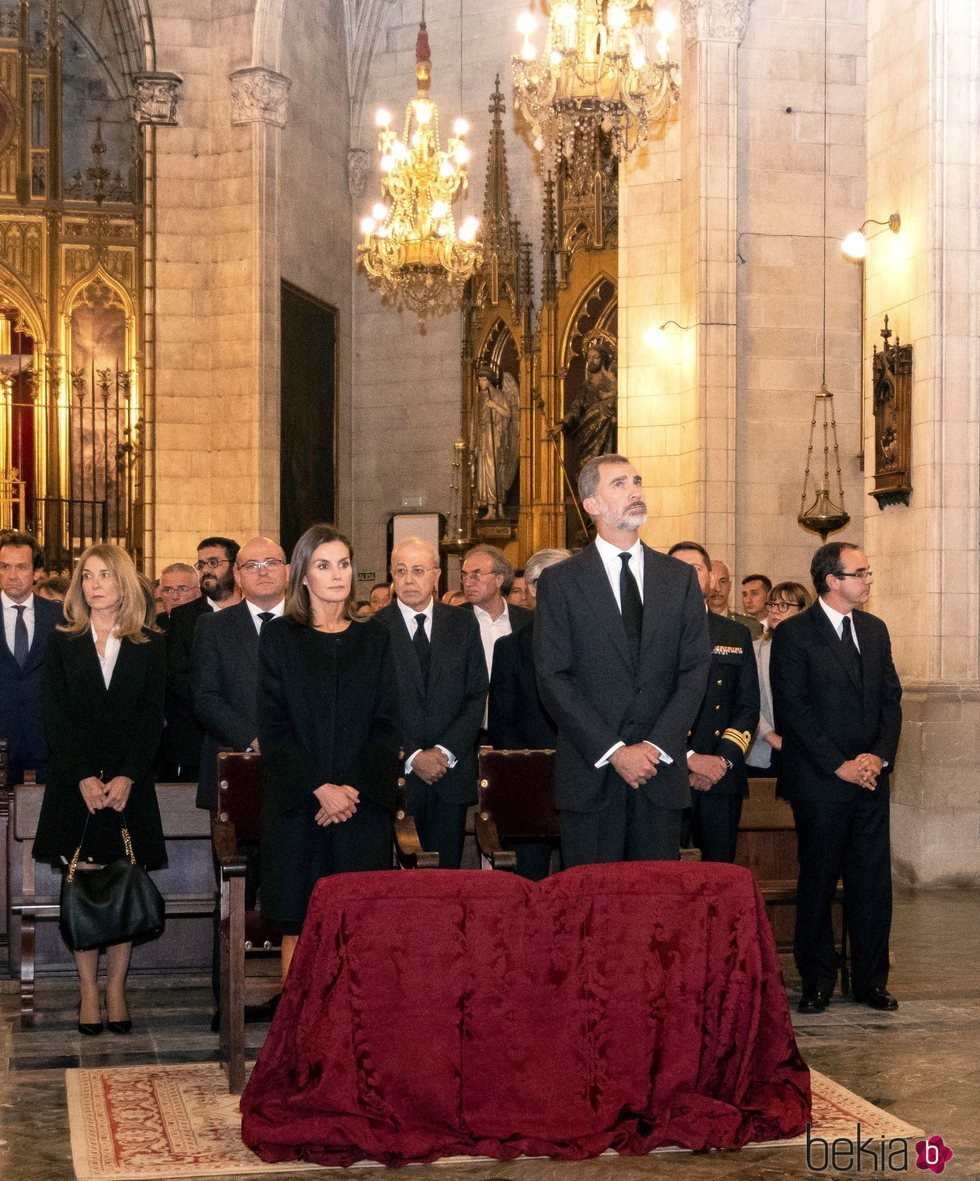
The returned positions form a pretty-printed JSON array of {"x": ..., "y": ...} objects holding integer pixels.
[
  {"x": 22, "y": 696},
  {"x": 825, "y": 715},
  {"x": 446, "y": 710},
  {"x": 184, "y": 734},
  {"x": 517, "y": 720},
  {"x": 224, "y": 662},
  {"x": 327, "y": 713},
  {"x": 93, "y": 730},
  {"x": 729, "y": 713},
  {"x": 599, "y": 694}
]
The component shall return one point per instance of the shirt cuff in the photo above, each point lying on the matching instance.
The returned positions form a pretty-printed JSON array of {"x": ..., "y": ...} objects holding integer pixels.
[
  {"x": 664, "y": 756},
  {"x": 448, "y": 753},
  {"x": 410, "y": 760},
  {"x": 604, "y": 761}
]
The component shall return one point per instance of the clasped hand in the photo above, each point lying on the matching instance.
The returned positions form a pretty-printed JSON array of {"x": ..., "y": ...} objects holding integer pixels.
[
  {"x": 862, "y": 771},
  {"x": 338, "y": 802},
  {"x": 98, "y": 795},
  {"x": 637, "y": 763},
  {"x": 430, "y": 765}
]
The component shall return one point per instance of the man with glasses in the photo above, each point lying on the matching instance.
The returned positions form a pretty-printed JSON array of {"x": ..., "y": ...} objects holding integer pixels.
[
  {"x": 180, "y": 750},
  {"x": 486, "y": 578},
  {"x": 442, "y": 688},
  {"x": 178, "y": 585},
  {"x": 837, "y": 699}
]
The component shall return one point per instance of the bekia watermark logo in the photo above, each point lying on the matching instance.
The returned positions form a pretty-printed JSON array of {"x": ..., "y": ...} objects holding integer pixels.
[{"x": 870, "y": 1154}]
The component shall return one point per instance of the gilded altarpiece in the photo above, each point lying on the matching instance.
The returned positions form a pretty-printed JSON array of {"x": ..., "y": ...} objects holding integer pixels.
[{"x": 71, "y": 278}]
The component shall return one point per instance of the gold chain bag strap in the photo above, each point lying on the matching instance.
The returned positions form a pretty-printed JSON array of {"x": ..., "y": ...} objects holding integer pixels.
[{"x": 115, "y": 904}]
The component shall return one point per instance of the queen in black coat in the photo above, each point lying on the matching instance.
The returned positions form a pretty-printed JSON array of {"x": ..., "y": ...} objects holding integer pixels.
[
  {"x": 328, "y": 734},
  {"x": 104, "y": 691}
]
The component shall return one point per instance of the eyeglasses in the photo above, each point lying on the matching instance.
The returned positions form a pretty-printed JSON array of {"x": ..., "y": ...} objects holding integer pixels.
[
  {"x": 211, "y": 563},
  {"x": 470, "y": 575},
  {"x": 781, "y": 607},
  {"x": 415, "y": 571},
  {"x": 265, "y": 564},
  {"x": 176, "y": 590},
  {"x": 855, "y": 574}
]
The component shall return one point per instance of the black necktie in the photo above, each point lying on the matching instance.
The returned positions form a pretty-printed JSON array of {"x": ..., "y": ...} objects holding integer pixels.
[
  {"x": 852, "y": 658},
  {"x": 421, "y": 642},
  {"x": 21, "y": 646},
  {"x": 630, "y": 602},
  {"x": 265, "y": 616}
]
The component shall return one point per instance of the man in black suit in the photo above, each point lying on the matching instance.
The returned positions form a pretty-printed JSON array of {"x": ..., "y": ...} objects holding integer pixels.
[
  {"x": 486, "y": 578},
  {"x": 621, "y": 651},
  {"x": 28, "y": 620},
  {"x": 837, "y": 699},
  {"x": 178, "y": 585},
  {"x": 442, "y": 690},
  {"x": 180, "y": 750},
  {"x": 516, "y": 719},
  {"x": 723, "y": 729}
]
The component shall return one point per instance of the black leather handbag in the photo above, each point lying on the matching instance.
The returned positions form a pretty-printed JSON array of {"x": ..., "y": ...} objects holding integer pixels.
[{"x": 116, "y": 904}]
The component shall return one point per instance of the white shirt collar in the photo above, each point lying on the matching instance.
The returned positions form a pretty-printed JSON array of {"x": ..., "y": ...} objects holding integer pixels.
[
  {"x": 499, "y": 621},
  {"x": 255, "y": 610},
  {"x": 28, "y": 602},
  {"x": 409, "y": 613},
  {"x": 836, "y": 617}
]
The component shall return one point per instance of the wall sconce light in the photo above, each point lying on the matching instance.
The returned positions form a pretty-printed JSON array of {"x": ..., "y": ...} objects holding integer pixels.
[
  {"x": 855, "y": 245},
  {"x": 656, "y": 338}
]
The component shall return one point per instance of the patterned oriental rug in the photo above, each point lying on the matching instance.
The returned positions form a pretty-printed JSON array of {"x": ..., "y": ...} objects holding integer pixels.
[{"x": 170, "y": 1122}]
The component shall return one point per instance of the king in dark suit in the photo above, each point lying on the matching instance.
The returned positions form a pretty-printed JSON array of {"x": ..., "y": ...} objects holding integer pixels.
[
  {"x": 28, "y": 621},
  {"x": 442, "y": 691},
  {"x": 622, "y": 653},
  {"x": 837, "y": 699},
  {"x": 723, "y": 729}
]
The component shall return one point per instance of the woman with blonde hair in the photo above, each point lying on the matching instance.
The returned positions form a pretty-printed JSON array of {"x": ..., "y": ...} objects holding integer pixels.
[
  {"x": 105, "y": 677},
  {"x": 329, "y": 734}
]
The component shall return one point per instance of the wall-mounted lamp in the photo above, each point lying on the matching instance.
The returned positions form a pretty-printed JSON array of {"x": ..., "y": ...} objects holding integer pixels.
[
  {"x": 656, "y": 338},
  {"x": 855, "y": 245}
]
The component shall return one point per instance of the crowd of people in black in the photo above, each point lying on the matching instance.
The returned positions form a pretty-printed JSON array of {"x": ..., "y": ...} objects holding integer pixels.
[{"x": 626, "y": 661}]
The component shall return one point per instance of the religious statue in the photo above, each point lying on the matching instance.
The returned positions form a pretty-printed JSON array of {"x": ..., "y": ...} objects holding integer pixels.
[
  {"x": 495, "y": 441},
  {"x": 590, "y": 421}
]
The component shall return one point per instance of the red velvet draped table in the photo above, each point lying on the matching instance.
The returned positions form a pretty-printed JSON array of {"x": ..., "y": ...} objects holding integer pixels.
[{"x": 438, "y": 1013}]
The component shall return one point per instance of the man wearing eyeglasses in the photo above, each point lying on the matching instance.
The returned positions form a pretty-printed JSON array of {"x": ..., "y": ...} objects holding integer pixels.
[
  {"x": 180, "y": 750},
  {"x": 178, "y": 585},
  {"x": 837, "y": 700},
  {"x": 442, "y": 687}
]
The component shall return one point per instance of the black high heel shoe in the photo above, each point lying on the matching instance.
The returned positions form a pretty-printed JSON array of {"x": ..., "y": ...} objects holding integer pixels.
[
  {"x": 89, "y": 1028},
  {"x": 119, "y": 1026}
]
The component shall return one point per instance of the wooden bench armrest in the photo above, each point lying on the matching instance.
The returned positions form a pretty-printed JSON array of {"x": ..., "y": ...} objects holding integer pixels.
[
  {"x": 225, "y": 842},
  {"x": 409, "y": 847},
  {"x": 488, "y": 840}
]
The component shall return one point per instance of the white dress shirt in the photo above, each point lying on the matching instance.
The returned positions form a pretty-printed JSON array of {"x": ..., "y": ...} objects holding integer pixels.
[
  {"x": 409, "y": 614},
  {"x": 255, "y": 610},
  {"x": 107, "y": 662},
  {"x": 10, "y": 618},
  {"x": 837, "y": 621}
]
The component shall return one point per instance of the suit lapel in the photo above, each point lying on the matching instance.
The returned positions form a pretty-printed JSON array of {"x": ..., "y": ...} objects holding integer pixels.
[
  {"x": 825, "y": 631},
  {"x": 598, "y": 594},
  {"x": 651, "y": 597},
  {"x": 405, "y": 650}
]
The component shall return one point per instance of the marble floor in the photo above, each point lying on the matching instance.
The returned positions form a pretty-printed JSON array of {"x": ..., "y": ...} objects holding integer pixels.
[{"x": 920, "y": 1063}]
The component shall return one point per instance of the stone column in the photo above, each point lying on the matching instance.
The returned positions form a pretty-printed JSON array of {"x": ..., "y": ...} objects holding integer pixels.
[{"x": 922, "y": 57}]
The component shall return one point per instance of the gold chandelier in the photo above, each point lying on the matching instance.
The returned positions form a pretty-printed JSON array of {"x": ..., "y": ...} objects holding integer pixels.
[
  {"x": 595, "y": 72},
  {"x": 411, "y": 249}
]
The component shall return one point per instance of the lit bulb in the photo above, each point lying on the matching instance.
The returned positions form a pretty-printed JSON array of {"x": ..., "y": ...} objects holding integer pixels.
[
  {"x": 387, "y": 163},
  {"x": 446, "y": 168},
  {"x": 539, "y": 143},
  {"x": 565, "y": 15},
  {"x": 367, "y": 225},
  {"x": 527, "y": 22},
  {"x": 855, "y": 246},
  {"x": 379, "y": 212},
  {"x": 616, "y": 17},
  {"x": 439, "y": 209},
  {"x": 423, "y": 110},
  {"x": 469, "y": 228},
  {"x": 460, "y": 127},
  {"x": 382, "y": 118},
  {"x": 663, "y": 47},
  {"x": 462, "y": 154},
  {"x": 638, "y": 57},
  {"x": 555, "y": 57},
  {"x": 528, "y": 52},
  {"x": 656, "y": 338},
  {"x": 665, "y": 22},
  {"x": 398, "y": 150}
]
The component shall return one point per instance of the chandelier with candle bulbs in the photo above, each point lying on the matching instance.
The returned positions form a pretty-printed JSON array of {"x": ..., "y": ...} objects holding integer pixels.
[
  {"x": 411, "y": 249},
  {"x": 595, "y": 72}
]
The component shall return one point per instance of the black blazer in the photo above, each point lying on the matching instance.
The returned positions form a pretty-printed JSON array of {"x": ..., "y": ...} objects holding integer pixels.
[
  {"x": 729, "y": 713},
  {"x": 224, "y": 665},
  {"x": 447, "y": 710},
  {"x": 595, "y": 690},
  {"x": 22, "y": 696},
  {"x": 183, "y": 735},
  {"x": 516, "y": 719},
  {"x": 93, "y": 730},
  {"x": 824, "y": 714}
]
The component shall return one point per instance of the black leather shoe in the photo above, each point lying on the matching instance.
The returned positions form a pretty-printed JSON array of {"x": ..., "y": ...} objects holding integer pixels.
[
  {"x": 814, "y": 1002},
  {"x": 878, "y": 998}
]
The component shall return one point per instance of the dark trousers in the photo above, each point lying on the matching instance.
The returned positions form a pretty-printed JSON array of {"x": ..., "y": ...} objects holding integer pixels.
[
  {"x": 845, "y": 840},
  {"x": 441, "y": 824},
  {"x": 714, "y": 824},
  {"x": 628, "y": 828},
  {"x": 533, "y": 858}
]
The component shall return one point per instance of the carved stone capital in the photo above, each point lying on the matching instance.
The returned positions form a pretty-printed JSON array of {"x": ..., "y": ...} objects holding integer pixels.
[
  {"x": 715, "y": 20},
  {"x": 259, "y": 95},
  {"x": 156, "y": 97},
  {"x": 358, "y": 167}
]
